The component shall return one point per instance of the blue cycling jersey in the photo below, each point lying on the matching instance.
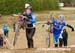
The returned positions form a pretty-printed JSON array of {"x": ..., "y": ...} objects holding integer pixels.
[
  {"x": 58, "y": 26},
  {"x": 32, "y": 17},
  {"x": 5, "y": 28}
]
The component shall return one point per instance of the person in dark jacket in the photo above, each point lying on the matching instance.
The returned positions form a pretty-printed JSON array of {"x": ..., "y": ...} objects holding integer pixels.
[
  {"x": 65, "y": 37},
  {"x": 1, "y": 38},
  {"x": 1, "y": 41}
]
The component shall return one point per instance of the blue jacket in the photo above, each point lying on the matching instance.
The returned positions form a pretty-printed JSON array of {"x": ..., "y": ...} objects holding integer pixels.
[
  {"x": 5, "y": 28},
  {"x": 58, "y": 27},
  {"x": 32, "y": 20},
  {"x": 32, "y": 17}
]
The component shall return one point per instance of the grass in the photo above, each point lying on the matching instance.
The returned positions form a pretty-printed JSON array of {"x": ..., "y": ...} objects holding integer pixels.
[{"x": 17, "y": 6}]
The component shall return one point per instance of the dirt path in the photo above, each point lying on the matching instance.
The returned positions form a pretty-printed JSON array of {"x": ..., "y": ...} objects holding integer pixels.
[{"x": 39, "y": 37}]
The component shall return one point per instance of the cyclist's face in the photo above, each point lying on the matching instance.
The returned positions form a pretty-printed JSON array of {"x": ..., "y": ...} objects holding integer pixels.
[
  {"x": 28, "y": 11},
  {"x": 60, "y": 20}
]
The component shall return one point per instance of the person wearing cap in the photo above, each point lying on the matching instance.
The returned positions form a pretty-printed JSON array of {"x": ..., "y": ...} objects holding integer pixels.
[
  {"x": 57, "y": 29},
  {"x": 30, "y": 20}
]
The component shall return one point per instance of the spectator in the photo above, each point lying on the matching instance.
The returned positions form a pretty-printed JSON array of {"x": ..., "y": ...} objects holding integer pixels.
[{"x": 65, "y": 37}]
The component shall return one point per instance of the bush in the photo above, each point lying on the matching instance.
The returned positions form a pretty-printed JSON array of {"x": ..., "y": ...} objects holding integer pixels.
[{"x": 16, "y": 6}]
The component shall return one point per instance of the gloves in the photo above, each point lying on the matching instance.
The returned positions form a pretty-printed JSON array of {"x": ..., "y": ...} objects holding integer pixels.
[
  {"x": 25, "y": 19},
  {"x": 48, "y": 23},
  {"x": 72, "y": 29}
]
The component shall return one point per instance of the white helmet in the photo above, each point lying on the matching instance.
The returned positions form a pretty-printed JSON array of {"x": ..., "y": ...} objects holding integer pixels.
[
  {"x": 27, "y": 5},
  {"x": 61, "y": 16}
]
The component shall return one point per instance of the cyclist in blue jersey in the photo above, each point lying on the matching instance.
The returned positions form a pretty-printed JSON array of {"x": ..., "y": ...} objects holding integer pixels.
[
  {"x": 30, "y": 20},
  {"x": 57, "y": 29}
]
